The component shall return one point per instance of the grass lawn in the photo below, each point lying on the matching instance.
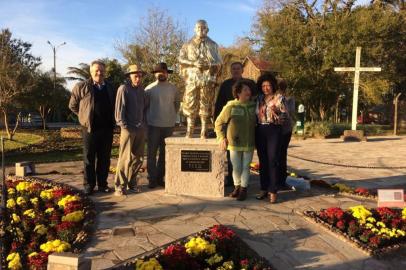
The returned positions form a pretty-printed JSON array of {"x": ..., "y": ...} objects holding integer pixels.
[{"x": 21, "y": 140}]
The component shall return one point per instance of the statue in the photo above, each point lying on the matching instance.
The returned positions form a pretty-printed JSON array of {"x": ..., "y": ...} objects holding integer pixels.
[{"x": 200, "y": 64}]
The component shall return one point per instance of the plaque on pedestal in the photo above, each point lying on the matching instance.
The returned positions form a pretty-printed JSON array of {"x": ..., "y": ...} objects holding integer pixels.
[{"x": 194, "y": 167}]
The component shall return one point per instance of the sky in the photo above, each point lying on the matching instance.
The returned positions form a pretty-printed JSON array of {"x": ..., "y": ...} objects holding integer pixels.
[{"x": 91, "y": 28}]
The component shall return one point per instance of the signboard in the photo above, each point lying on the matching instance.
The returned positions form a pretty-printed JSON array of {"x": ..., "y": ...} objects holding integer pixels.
[
  {"x": 195, "y": 161},
  {"x": 391, "y": 198}
]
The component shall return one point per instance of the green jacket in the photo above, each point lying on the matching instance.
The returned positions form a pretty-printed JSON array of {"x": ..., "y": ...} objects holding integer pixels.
[{"x": 237, "y": 122}]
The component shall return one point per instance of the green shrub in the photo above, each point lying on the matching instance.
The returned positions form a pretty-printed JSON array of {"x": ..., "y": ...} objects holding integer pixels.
[{"x": 329, "y": 129}]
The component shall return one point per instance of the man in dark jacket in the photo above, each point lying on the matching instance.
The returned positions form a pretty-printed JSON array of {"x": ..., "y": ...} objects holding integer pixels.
[
  {"x": 93, "y": 102},
  {"x": 225, "y": 95}
]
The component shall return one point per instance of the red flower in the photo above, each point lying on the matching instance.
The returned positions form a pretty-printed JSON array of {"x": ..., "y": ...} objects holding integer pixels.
[
  {"x": 386, "y": 213},
  {"x": 244, "y": 263},
  {"x": 65, "y": 225},
  {"x": 72, "y": 206},
  {"x": 59, "y": 192},
  {"x": 396, "y": 223},
  {"x": 362, "y": 191},
  {"x": 39, "y": 261},
  {"x": 375, "y": 241},
  {"x": 221, "y": 232},
  {"x": 175, "y": 257},
  {"x": 341, "y": 225},
  {"x": 15, "y": 246}
]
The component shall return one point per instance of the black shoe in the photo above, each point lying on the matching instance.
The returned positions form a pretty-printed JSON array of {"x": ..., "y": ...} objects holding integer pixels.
[
  {"x": 152, "y": 184},
  {"x": 161, "y": 183},
  {"x": 261, "y": 195},
  {"x": 104, "y": 189}
]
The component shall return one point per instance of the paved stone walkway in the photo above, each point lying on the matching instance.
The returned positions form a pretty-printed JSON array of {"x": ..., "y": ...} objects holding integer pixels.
[
  {"x": 131, "y": 225},
  {"x": 388, "y": 151}
]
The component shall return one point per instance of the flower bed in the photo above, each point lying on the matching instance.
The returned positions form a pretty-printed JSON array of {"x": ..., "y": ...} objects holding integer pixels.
[
  {"x": 215, "y": 248},
  {"x": 376, "y": 231},
  {"x": 359, "y": 192},
  {"x": 43, "y": 218}
]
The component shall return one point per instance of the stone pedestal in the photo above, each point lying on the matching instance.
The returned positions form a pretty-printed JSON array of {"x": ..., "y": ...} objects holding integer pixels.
[
  {"x": 194, "y": 167},
  {"x": 25, "y": 168},
  {"x": 68, "y": 261},
  {"x": 354, "y": 136}
]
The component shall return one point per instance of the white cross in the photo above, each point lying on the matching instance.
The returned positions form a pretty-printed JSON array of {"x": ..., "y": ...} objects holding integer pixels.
[{"x": 357, "y": 70}]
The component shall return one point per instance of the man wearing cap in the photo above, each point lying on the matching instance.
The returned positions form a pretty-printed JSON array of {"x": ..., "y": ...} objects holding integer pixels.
[
  {"x": 163, "y": 103},
  {"x": 93, "y": 102},
  {"x": 129, "y": 116}
]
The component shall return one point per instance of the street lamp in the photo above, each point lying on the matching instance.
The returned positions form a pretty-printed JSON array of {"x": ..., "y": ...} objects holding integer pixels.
[{"x": 54, "y": 48}]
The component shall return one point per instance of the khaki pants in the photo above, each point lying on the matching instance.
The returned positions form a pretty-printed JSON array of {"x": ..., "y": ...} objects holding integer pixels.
[{"x": 131, "y": 156}]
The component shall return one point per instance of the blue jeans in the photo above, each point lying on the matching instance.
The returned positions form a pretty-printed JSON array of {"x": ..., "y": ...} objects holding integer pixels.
[{"x": 241, "y": 167}]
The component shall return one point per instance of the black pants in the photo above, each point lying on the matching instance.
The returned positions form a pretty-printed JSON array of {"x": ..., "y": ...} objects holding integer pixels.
[
  {"x": 268, "y": 149},
  {"x": 156, "y": 141},
  {"x": 96, "y": 157},
  {"x": 285, "y": 140}
]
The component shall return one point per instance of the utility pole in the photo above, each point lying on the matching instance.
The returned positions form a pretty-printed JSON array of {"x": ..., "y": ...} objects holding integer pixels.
[
  {"x": 54, "y": 48},
  {"x": 395, "y": 121}
]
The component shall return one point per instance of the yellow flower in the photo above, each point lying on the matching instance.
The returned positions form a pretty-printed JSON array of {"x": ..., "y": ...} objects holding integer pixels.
[
  {"x": 55, "y": 246},
  {"x": 404, "y": 213},
  {"x": 40, "y": 229},
  {"x": 32, "y": 254},
  {"x": 14, "y": 261},
  {"x": 46, "y": 194},
  {"x": 21, "y": 201},
  {"x": 369, "y": 226},
  {"x": 381, "y": 224},
  {"x": 29, "y": 213},
  {"x": 360, "y": 213},
  {"x": 198, "y": 245},
  {"x": 216, "y": 258},
  {"x": 34, "y": 201},
  {"x": 151, "y": 264},
  {"x": 229, "y": 265},
  {"x": 371, "y": 220},
  {"x": 11, "y": 203},
  {"x": 68, "y": 198},
  {"x": 74, "y": 216},
  {"x": 49, "y": 210},
  {"x": 23, "y": 186},
  {"x": 11, "y": 191},
  {"x": 15, "y": 218}
]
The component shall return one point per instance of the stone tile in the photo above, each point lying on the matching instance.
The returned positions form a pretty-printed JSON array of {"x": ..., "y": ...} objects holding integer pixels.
[
  {"x": 160, "y": 239},
  {"x": 98, "y": 263},
  {"x": 124, "y": 253}
]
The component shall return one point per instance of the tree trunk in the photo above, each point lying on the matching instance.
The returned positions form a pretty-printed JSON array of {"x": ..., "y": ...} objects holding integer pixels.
[
  {"x": 10, "y": 133},
  {"x": 44, "y": 113}
]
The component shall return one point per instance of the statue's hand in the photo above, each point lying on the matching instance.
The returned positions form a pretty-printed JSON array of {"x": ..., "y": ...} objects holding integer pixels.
[{"x": 202, "y": 64}]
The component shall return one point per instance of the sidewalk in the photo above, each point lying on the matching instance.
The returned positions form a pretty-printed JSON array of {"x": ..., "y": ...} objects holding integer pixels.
[
  {"x": 388, "y": 153},
  {"x": 277, "y": 232}
]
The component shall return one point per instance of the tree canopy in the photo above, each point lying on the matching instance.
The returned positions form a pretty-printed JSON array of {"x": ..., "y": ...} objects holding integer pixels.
[{"x": 307, "y": 39}]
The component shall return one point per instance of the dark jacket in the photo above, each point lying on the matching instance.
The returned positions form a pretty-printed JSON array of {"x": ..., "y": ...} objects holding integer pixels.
[{"x": 82, "y": 102}]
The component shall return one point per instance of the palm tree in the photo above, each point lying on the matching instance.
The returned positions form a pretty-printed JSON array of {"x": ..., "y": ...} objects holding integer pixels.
[{"x": 80, "y": 73}]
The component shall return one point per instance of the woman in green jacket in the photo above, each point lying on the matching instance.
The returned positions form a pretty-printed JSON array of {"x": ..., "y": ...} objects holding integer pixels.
[{"x": 235, "y": 130}]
